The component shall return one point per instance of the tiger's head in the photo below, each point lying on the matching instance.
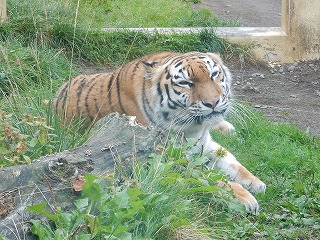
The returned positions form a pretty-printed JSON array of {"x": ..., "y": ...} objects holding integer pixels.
[{"x": 193, "y": 89}]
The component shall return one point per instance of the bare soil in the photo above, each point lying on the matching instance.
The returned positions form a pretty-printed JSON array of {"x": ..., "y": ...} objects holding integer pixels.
[
  {"x": 249, "y": 13},
  {"x": 290, "y": 92},
  {"x": 287, "y": 93}
]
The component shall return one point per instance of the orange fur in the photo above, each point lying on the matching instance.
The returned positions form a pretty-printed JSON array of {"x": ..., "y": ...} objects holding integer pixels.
[
  {"x": 94, "y": 96},
  {"x": 183, "y": 92}
]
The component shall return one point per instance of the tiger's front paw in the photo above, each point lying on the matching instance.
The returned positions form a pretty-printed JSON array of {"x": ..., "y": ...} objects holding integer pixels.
[
  {"x": 242, "y": 176},
  {"x": 245, "y": 197},
  {"x": 253, "y": 184},
  {"x": 225, "y": 127}
]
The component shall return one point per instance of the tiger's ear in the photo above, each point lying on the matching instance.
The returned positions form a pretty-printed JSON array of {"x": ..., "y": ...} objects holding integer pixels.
[
  {"x": 216, "y": 57},
  {"x": 149, "y": 69}
]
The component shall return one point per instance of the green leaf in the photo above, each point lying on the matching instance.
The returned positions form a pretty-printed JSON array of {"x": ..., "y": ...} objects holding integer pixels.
[
  {"x": 207, "y": 189},
  {"x": 134, "y": 193},
  {"x": 43, "y": 232},
  {"x": 60, "y": 234},
  {"x": 40, "y": 209},
  {"x": 192, "y": 180},
  {"x": 33, "y": 142},
  {"x": 122, "y": 199},
  {"x": 198, "y": 160},
  {"x": 91, "y": 188},
  {"x": 81, "y": 204},
  {"x": 42, "y": 139},
  {"x": 154, "y": 198},
  {"x": 235, "y": 205},
  {"x": 126, "y": 236},
  {"x": 137, "y": 207},
  {"x": 26, "y": 158},
  {"x": 174, "y": 152},
  {"x": 309, "y": 221}
]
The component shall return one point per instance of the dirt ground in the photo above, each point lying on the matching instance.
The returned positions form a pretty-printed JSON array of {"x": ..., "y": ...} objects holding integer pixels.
[
  {"x": 249, "y": 13},
  {"x": 290, "y": 92}
]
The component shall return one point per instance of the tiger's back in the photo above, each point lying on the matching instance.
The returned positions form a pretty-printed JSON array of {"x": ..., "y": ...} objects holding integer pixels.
[
  {"x": 94, "y": 96},
  {"x": 148, "y": 88}
]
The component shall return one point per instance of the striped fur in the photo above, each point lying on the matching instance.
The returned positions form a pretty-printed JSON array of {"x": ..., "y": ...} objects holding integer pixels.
[
  {"x": 184, "y": 92},
  {"x": 164, "y": 89}
]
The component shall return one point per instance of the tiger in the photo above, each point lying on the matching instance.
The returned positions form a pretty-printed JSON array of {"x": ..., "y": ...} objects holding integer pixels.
[{"x": 187, "y": 93}]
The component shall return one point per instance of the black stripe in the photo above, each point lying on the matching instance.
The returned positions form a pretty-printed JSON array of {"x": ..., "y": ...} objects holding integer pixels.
[
  {"x": 177, "y": 59},
  {"x": 119, "y": 94},
  {"x": 168, "y": 76},
  {"x": 109, "y": 91},
  {"x": 134, "y": 70},
  {"x": 203, "y": 68},
  {"x": 97, "y": 107},
  {"x": 79, "y": 89},
  {"x": 165, "y": 115},
  {"x": 171, "y": 104},
  {"x": 160, "y": 93},
  {"x": 66, "y": 92},
  {"x": 96, "y": 103},
  {"x": 62, "y": 95},
  {"x": 146, "y": 104},
  {"x": 176, "y": 92},
  {"x": 224, "y": 73},
  {"x": 89, "y": 91},
  {"x": 79, "y": 92},
  {"x": 178, "y": 64},
  {"x": 170, "y": 58}
]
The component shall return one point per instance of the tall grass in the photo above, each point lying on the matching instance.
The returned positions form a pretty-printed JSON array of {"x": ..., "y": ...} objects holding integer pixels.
[
  {"x": 44, "y": 43},
  {"x": 286, "y": 159},
  {"x": 164, "y": 198}
]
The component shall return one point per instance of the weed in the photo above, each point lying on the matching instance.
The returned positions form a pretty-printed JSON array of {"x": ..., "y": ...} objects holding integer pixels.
[
  {"x": 161, "y": 195},
  {"x": 286, "y": 160},
  {"x": 19, "y": 148}
]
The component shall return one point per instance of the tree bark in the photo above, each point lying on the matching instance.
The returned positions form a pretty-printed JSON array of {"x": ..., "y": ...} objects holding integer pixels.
[{"x": 49, "y": 179}]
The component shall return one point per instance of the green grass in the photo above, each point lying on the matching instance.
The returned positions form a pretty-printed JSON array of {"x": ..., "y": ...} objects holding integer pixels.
[
  {"x": 161, "y": 196},
  {"x": 160, "y": 13},
  {"x": 40, "y": 48},
  {"x": 286, "y": 159},
  {"x": 43, "y": 45},
  {"x": 169, "y": 193}
]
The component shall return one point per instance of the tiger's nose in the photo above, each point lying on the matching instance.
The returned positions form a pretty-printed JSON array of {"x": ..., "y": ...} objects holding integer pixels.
[{"x": 211, "y": 104}]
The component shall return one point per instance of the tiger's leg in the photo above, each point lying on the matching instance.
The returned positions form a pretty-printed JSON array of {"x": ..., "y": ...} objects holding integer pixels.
[
  {"x": 240, "y": 177},
  {"x": 243, "y": 195},
  {"x": 221, "y": 159},
  {"x": 225, "y": 161}
]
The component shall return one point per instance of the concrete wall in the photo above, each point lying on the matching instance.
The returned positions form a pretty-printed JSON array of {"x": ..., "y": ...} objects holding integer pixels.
[
  {"x": 3, "y": 10},
  {"x": 305, "y": 27},
  {"x": 297, "y": 39}
]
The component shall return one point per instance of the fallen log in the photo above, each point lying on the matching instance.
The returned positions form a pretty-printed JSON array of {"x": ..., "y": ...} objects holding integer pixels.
[{"x": 50, "y": 178}]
